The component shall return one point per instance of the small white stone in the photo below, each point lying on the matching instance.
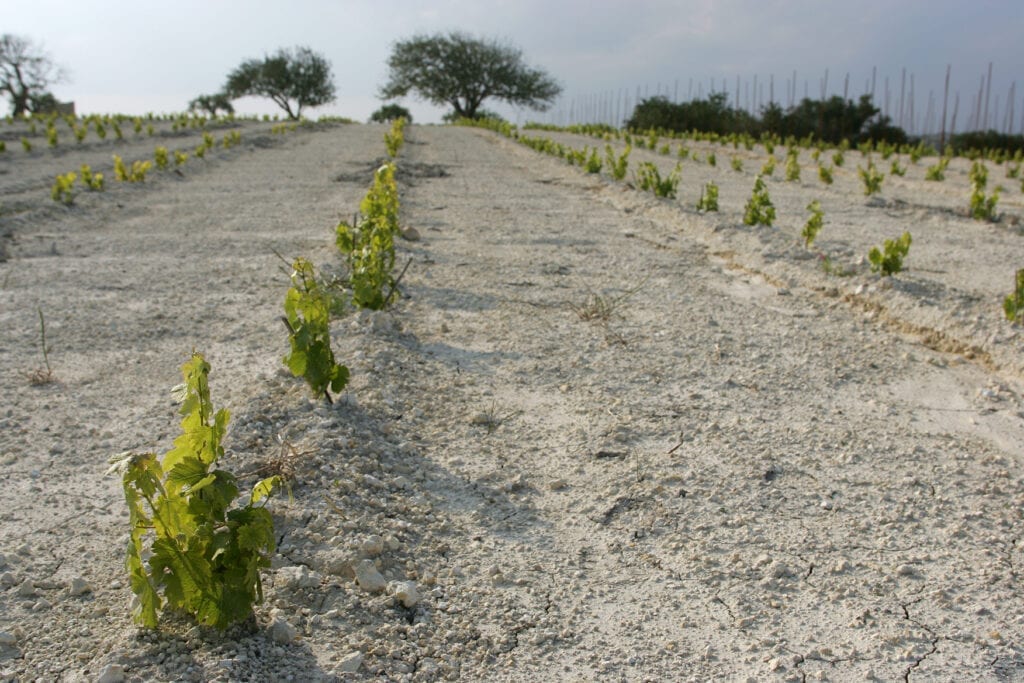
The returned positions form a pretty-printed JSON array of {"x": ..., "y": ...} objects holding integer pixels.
[
  {"x": 351, "y": 662},
  {"x": 79, "y": 586},
  {"x": 373, "y": 546},
  {"x": 8, "y": 579},
  {"x": 406, "y": 592},
  {"x": 26, "y": 589},
  {"x": 8, "y": 639},
  {"x": 368, "y": 578},
  {"x": 298, "y": 576},
  {"x": 111, "y": 673},
  {"x": 282, "y": 632}
]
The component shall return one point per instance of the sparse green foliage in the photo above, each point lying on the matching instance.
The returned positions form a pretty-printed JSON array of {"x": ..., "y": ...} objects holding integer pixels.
[
  {"x": 792, "y": 167},
  {"x": 189, "y": 549},
  {"x": 871, "y": 177},
  {"x": 982, "y": 208},
  {"x": 889, "y": 259},
  {"x": 161, "y": 158},
  {"x": 617, "y": 165},
  {"x": 711, "y": 159},
  {"x": 896, "y": 169},
  {"x": 137, "y": 173},
  {"x": 937, "y": 173},
  {"x": 593, "y": 163},
  {"x": 825, "y": 174},
  {"x": 838, "y": 158},
  {"x": 708, "y": 198},
  {"x": 394, "y": 138},
  {"x": 180, "y": 158},
  {"x": 307, "y": 310},
  {"x": 814, "y": 224},
  {"x": 93, "y": 181},
  {"x": 63, "y": 189},
  {"x": 737, "y": 164},
  {"x": 26, "y": 144},
  {"x": 649, "y": 179},
  {"x": 759, "y": 209},
  {"x": 768, "y": 168},
  {"x": 1013, "y": 304},
  {"x": 368, "y": 244},
  {"x": 51, "y": 136}
]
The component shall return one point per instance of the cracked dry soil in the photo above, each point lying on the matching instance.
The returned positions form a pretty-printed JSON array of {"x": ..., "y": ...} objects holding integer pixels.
[{"x": 740, "y": 471}]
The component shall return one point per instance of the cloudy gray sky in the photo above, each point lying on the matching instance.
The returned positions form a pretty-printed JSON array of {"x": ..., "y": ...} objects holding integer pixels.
[{"x": 135, "y": 57}]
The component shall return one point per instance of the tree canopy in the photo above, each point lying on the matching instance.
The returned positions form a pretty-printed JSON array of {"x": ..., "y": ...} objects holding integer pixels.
[
  {"x": 211, "y": 104},
  {"x": 831, "y": 120},
  {"x": 26, "y": 73},
  {"x": 390, "y": 112},
  {"x": 293, "y": 79},
  {"x": 461, "y": 71}
]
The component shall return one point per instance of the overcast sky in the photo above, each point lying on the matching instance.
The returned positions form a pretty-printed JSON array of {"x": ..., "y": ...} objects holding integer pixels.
[{"x": 135, "y": 57}]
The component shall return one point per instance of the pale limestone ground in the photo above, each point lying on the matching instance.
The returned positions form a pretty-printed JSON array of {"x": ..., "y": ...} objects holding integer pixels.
[{"x": 738, "y": 474}]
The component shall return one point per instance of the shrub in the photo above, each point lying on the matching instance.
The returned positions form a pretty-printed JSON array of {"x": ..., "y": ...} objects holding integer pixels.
[
  {"x": 889, "y": 259},
  {"x": 708, "y": 198},
  {"x": 649, "y": 179},
  {"x": 93, "y": 181},
  {"x": 792, "y": 167},
  {"x": 871, "y": 177},
  {"x": 937, "y": 173},
  {"x": 982, "y": 208},
  {"x": 737, "y": 164},
  {"x": 189, "y": 550},
  {"x": 768, "y": 168},
  {"x": 63, "y": 188},
  {"x": 161, "y": 158},
  {"x": 825, "y": 174},
  {"x": 617, "y": 165},
  {"x": 759, "y": 209},
  {"x": 307, "y": 310},
  {"x": 814, "y": 224}
]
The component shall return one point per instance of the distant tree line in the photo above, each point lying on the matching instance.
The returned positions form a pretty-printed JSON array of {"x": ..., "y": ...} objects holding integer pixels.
[{"x": 832, "y": 120}]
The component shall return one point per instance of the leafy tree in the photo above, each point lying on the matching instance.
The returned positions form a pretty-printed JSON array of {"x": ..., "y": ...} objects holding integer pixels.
[
  {"x": 211, "y": 104},
  {"x": 293, "y": 79},
  {"x": 461, "y": 71},
  {"x": 25, "y": 74},
  {"x": 712, "y": 115},
  {"x": 390, "y": 112}
]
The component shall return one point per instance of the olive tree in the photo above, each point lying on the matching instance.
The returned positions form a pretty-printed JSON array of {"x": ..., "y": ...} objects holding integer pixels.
[
  {"x": 461, "y": 71},
  {"x": 26, "y": 73},
  {"x": 293, "y": 79}
]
